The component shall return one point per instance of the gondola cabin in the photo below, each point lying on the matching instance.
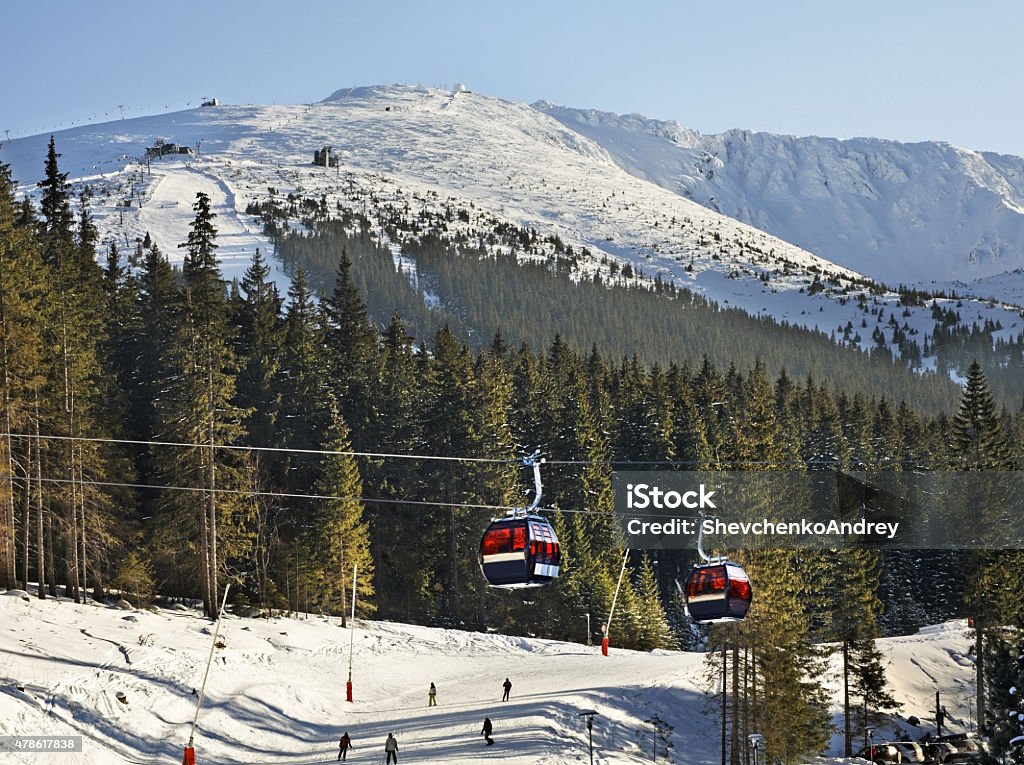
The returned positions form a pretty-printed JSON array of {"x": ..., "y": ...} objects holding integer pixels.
[
  {"x": 519, "y": 551},
  {"x": 718, "y": 592}
]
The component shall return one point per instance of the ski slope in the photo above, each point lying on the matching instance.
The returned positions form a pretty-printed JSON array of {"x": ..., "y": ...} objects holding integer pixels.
[
  {"x": 428, "y": 153},
  {"x": 276, "y": 691},
  {"x": 167, "y": 214}
]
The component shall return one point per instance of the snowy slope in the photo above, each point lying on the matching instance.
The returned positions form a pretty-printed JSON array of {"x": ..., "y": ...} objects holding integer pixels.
[
  {"x": 276, "y": 690},
  {"x": 422, "y": 151},
  {"x": 917, "y": 214}
]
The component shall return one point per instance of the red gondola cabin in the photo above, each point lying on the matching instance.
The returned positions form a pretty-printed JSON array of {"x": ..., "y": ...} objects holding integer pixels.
[
  {"x": 518, "y": 552},
  {"x": 718, "y": 592}
]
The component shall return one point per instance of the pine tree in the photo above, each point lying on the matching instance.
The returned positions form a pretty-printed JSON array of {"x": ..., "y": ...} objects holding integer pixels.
[
  {"x": 448, "y": 385},
  {"x": 352, "y": 349},
  {"x": 398, "y": 430},
  {"x": 341, "y": 537},
  {"x": 258, "y": 347},
  {"x": 653, "y": 630},
  {"x": 22, "y": 301},
  {"x": 74, "y": 399},
  {"x": 199, "y": 409},
  {"x": 979, "y": 442},
  {"x": 993, "y": 582}
]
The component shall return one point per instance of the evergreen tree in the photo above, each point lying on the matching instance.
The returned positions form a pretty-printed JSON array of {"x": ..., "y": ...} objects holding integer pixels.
[
  {"x": 199, "y": 409},
  {"x": 993, "y": 592},
  {"x": 341, "y": 537},
  {"x": 653, "y": 630},
  {"x": 258, "y": 347},
  {"x": 401, "y": 569},
  {"x": 22, "y": 302},
  {"x": 352, "y": 349},
  {"x": 448, "y": 385},
  {"x": 74, "y": 397},
  {"x": 979, "y": 442}
]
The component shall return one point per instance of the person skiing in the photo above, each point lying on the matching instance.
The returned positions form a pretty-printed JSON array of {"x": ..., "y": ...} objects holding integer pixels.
[
  {"x": 432, "y": 696},
  {"x": 343, "y": 746},
  {"x": 391, "y": 747},
  {"x": 507, "y": 685},
  {"x": 486, "y": 732}
]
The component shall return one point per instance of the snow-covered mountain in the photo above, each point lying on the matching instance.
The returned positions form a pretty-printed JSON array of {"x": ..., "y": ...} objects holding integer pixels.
[
  {"x": 917, "y": 214},
  {"x": 123, "y": 681},
  {"x": 476, "y": 162}
]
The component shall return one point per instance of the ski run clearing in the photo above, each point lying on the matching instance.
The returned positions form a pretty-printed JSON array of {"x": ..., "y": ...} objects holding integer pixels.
[{"x": 276, "y": 690}]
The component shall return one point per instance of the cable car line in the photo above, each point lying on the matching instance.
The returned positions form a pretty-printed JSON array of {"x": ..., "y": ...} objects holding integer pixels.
[
  {"x": 293, "y": 495},
  {"x": 392, "y": 455},
  {"x": 231, "y": 447}
]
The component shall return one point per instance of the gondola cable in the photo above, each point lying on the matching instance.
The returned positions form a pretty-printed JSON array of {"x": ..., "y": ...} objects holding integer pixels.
[{"x": 428, "y": 457}]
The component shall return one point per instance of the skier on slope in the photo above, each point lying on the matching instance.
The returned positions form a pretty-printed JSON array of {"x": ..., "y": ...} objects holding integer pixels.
[
  {"x": 391, "y": 747},
  {"x": 486, "y": 732},
  {"x": 343, "y": 746},
  {"x": 432, "y": 696},
  {"x": 507, "y": 685}
]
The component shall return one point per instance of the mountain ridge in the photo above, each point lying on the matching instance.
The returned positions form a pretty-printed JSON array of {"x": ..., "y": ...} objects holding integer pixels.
[
  {"x": 921, "y": 214},
  {"x": 470, "y": 162}
]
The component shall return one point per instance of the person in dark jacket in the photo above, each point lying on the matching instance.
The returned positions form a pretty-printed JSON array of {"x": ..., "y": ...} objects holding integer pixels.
[
  {"x": 486, "y": 732},
  {"x": 432, "y": 696},
  {"x": 507, "y": 685},
  {"x": 343, "y": 746},
  {"x": 391, "y": 747}
]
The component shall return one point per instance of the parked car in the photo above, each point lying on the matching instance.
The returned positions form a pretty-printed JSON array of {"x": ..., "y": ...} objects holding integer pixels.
[
  {"x": 968, "y": 748},
  {"x": 881, "y": 754},
  {"x": 938, "y": 751},
  {"x": 911, "y": 751},
  {"x": 955, "y": 747}
]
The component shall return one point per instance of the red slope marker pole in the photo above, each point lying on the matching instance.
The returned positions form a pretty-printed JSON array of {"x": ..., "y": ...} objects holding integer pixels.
[
  {"x": 615, "y": 597},
  {"x": 351, "y": 636}
]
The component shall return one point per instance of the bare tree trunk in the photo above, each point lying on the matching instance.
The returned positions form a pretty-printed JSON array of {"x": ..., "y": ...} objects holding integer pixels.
[
  {"x": 71, "y": 532},
  {"x": 754, "y": 724},
  {"x": 205, "y": 537},
  {"x": 847, "y": 722},
  {"x": 71, "y": 507},
  {"x": 7, "y": 530},
  {"x": 734, "y": 755},
  {"x": 725, "y": 672},
  {"x": 51, "y": 563},
  {"x": 83, "y": 557},
  {"x": 211, "y": 499},
  {"x": 747, "y": 728},
  {"x": 8, "y": 534},
  {"x": 41, "y": 546},
  {"x": 979, "y": 663},
  {"x": 26, "y": 513}
]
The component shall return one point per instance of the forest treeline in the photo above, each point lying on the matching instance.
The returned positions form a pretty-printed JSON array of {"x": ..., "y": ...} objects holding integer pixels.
[{"x": 167, "y": 432}]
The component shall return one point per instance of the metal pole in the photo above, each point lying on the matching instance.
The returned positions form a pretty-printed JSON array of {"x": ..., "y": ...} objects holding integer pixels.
[
  {"x": 351, "y": 635},
  {"x": 589, "y": 714},
  {"x": 589, "y": 641},
  {"x": 590, "y": 736},
  {"x": 209, "y": 660}
]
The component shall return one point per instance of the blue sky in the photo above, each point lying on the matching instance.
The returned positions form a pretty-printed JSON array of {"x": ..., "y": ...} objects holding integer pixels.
[{"x": 907, "y": 70}]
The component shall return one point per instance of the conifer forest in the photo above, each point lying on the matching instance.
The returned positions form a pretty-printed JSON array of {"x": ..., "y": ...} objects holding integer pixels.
[{"x": 166, "y": 432}]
